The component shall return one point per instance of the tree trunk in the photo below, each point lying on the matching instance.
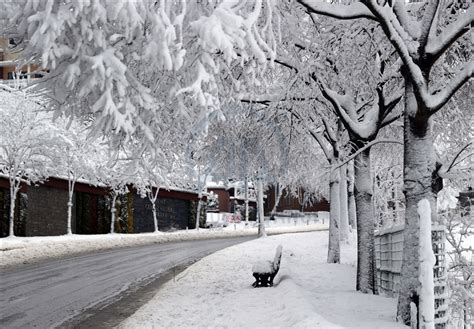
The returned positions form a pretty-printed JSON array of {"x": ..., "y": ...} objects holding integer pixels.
[
  {"x": 344, "y": 212},
  {"x": 246, "y": 201},
  {"x": 69, "y": 206},
  {"x": 155, "y": 220},
  {"x": 112, "y": 214},
  {"x": 351, "y": 197},
  {"x": 419, "y": 165},
  {"x": 334, "y": 248},
  {"x": 365, "y": 224},
  {"x": 261, "y": 218},
  {"x": 279, "y": 192},
  {"x": 69, "y": 212},
  {"x": 198, "y": 212},
  {"x": 13, "y": 192}
]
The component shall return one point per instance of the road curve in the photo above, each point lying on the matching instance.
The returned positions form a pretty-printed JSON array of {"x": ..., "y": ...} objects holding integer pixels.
[{"x": 58, "y": 293}]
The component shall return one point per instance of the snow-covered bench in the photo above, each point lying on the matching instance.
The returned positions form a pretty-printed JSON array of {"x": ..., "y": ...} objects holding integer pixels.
[{"x": 265, "y": 271}]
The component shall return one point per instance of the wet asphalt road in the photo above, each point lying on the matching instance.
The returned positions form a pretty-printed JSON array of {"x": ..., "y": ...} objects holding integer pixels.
[{"x": 95, "y": 290}]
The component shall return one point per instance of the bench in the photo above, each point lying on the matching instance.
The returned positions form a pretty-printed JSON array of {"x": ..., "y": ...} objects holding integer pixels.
[{"x": 264, "y": 272}]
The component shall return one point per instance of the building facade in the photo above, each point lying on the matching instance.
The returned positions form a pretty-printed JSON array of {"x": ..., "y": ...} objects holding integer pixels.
[{"x": 41, "y": 210}]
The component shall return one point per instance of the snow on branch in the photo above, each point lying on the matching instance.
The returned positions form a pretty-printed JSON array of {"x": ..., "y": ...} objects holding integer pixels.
[
  {"x": 437, "y": 101},
  {"x": 351, "y": 11},
  {"x": 320, "y": 139},
  {"x": 406, "y": 21},
  {"x": 331, "y": 136},
  {"x": 342, "y": 106},
  {"x": 437, "y": 45},
  {"x": 404, "y": 47},
  {"x": 429, "y": 21},
  {"x": 389, "y": 104}
]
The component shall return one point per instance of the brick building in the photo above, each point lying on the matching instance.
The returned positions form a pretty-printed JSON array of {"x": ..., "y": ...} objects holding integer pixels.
[
  {"x": 231, "y": 197},
  {"x": 10, "y": 73},
  {"x": 42, "y": 210},
  {"x": 289, "y": 201}
]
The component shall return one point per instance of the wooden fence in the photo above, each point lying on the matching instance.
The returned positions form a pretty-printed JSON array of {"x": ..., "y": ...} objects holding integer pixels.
[{"x": 388, "y": 260}]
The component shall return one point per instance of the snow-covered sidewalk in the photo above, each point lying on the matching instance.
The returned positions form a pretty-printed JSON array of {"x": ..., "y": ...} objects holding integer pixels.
[
  {"x": 21, "y": 250},
  {"x": 308, "y": 292}
]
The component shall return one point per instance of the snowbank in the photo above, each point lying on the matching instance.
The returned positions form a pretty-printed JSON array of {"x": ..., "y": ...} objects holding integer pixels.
[
  {"x": 21, "y": 250},
  {"x": 308, "y": 292}
]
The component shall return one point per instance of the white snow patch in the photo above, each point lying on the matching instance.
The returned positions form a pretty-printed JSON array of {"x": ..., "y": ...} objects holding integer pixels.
[
  {"x": 24, "y": 250},
  {"x": 216, "y": 292},
  {"x": 447, "y": 198},
  {"x": 427, "y": 261}
]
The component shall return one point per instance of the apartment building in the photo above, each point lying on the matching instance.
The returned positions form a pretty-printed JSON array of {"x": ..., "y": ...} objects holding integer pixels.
[{"x": 10, "y": 73}]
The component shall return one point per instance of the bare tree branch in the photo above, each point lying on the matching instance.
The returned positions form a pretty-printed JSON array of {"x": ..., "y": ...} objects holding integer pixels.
[{"x": 452, "y": 164}]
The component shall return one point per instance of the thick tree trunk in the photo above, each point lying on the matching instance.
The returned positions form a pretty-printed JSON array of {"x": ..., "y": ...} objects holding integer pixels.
[
  {"x": 334, "y": 208},
  {"x": 13, "y": 192},
  {"x": 419, "y": 165},
  {"x": 351, "y": 197},
  {"x": 365, "y": 224},
  {"x": 261, "y": 218},
  {"x": 344, "y": 211}
]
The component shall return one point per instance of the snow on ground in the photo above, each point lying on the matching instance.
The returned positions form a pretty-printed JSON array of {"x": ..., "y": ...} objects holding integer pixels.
[
  {"x": 216, "y": 292},
  {"x": 24, "y": 250}
]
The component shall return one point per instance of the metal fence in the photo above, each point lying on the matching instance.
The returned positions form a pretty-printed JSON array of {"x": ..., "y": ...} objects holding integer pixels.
[{"x": 389, "y": 257}]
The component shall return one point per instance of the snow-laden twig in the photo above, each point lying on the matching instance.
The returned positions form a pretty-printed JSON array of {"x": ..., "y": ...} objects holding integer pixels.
[{"x": 352, "y": 11}]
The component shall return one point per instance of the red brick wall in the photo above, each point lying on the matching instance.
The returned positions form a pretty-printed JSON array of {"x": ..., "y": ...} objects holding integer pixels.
[{"x": 223, "y": 196}]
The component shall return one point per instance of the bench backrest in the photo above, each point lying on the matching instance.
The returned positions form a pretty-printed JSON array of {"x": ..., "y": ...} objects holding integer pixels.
[{"x": 277, "y": 260}]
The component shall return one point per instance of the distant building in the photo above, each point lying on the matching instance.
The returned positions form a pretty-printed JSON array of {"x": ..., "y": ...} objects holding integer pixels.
[
  {"x": 231, "y": 197},
  {"x": 10, "y": 74},
  {"x": 466, "y": 201},
  {"x": 292, "y": 202},
  {"x": 41, "y": 209}
]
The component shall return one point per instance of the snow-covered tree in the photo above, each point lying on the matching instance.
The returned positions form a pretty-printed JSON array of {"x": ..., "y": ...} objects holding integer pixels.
[
  {"x": 130, "y": 63},
  {"x": 247, "y": 145},
  {"x": 77, "y": 156},
  {"x": 27, "y": 142},
  {"x": 151, "y": 177},
  {"x": 420, "y": 41},
  {"x": 114, "y": 172}
]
